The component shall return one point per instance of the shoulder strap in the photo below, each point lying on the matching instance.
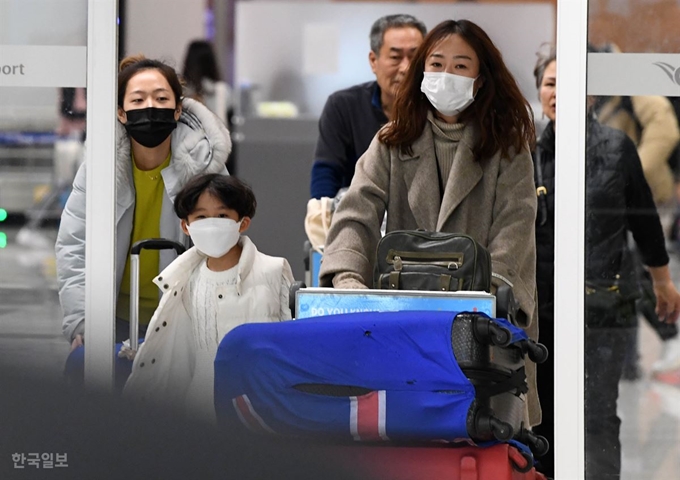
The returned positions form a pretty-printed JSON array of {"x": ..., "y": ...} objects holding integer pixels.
[
  {"x": 538, "y": 171},
  {"x": 541, "y": 191}
]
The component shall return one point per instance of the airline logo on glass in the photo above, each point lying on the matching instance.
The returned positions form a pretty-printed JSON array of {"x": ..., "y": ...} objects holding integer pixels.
[{"x": 672, "y": 72}]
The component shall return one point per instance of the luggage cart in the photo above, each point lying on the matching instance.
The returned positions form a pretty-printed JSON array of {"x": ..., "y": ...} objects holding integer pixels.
[{"x": 479, "y": 346}]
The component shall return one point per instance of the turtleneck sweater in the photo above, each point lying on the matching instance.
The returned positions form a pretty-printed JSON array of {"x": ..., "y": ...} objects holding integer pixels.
[{"x": 446, "y": 137}]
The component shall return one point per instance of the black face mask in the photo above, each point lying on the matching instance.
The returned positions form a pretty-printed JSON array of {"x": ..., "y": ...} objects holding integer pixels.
[{"x": 150, "y": 126}]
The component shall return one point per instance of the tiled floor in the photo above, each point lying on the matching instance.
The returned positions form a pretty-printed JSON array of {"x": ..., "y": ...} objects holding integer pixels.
[
  {"x": 31, "y": 339},
  {"x": 30, "y": 315},
  {"x": 650, "y": 413}
]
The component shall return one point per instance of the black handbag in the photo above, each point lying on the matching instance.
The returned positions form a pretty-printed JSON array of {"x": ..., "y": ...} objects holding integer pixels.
[
  {"x": 610, "y": 297},
  {"x": 603, "y": 298},
  {"x": 421, "y": 260}
]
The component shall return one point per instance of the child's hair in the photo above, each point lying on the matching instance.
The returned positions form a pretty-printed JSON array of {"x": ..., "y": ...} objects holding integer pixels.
[{"x": 231, "y": 191}]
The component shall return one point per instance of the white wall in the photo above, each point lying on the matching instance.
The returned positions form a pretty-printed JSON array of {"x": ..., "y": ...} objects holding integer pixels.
[
  {"x": 32, "y": 22},
  {"x": 162, "y": 29},
  {"x": 270, "y": 42}
]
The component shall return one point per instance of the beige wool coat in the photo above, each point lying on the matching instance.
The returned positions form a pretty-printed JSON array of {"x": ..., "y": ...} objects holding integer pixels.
[
  {"x": 492, "y": 200},
  {"x": 655, "y": 137}
]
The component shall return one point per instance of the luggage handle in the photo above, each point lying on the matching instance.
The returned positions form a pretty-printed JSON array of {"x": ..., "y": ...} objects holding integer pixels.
[
  {"x": 137, "y": 247},
  {"x": 156, "y": 244},
  {"x": 292, "y": 296}
]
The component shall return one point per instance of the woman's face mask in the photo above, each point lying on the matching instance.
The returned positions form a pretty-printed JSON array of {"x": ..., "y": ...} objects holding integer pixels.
[
  {"x": 150, "y": 126},
  {"x": 450, "y": 94},
  {"x": 214, "y": 237}
]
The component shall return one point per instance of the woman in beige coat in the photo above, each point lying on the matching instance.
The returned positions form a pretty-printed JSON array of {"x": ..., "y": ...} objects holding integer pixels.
[{"x": 455, "y": 159}]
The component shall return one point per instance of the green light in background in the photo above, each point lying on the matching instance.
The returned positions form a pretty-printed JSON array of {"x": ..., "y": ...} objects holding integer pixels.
[
  {"x": 3, "y": 214},
  {"x": 3, "y": 239}
]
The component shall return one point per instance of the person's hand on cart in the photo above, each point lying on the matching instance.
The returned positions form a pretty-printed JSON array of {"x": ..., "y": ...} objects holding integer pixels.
[
  {"x": 77, "y": 342},
  {"x": 667, "y": 296},
  {"x": 348, "y": 280}
]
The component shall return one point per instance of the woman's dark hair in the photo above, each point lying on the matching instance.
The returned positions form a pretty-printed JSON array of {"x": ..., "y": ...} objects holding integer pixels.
[
  {"x": 231, "y": 191},
  {"x": 132, "y": 65},
  {"x": 200, "y": 63},
  {"x": 500, "y": 112}
]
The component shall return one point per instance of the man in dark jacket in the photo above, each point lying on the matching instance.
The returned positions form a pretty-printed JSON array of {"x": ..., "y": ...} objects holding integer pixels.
[{"x": 351, "y": 117}]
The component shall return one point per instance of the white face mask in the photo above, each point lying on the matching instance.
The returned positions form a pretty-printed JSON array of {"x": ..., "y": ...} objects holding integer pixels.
[
  {"x": 450, "y": 94},
  {"x": 214, "y": 236}
]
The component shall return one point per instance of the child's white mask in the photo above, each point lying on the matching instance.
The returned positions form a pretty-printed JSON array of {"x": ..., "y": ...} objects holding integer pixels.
[
  {"x": 450, "y": 94},
  {"x": 214, "y": 236}
]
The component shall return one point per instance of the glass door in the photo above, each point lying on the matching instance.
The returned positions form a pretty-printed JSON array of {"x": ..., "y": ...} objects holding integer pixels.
[{"x": 616, "y": 264}]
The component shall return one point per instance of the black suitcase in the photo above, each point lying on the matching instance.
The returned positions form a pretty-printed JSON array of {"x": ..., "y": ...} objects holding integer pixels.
[
  {"x": 494, "y": 364},
  {"x": 74, "y": 368}
]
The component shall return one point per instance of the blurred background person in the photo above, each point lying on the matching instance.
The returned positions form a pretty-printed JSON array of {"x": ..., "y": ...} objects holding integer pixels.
[
  {"x": 72, "y": 118},
  {"x": 651, "y": 123},
  {"x": 68, "y": 155},
  {"x": 618, "y": 200},
  {"x": 203, "y": 80},
  {"x": 351, "y": 117}
]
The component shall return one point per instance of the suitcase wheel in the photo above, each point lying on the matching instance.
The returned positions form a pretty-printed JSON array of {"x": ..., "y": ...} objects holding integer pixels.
[
  {"x": 538, "y": 444},
  {"x": 486, "y": 425},
  {"x": 488, "y": 332},
  {"x": 538, "y": 353},
  {"x": 501, "y": 430}
]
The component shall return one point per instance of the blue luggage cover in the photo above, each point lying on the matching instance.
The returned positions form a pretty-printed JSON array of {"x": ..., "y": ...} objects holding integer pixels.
[{"x": 412, "y": 386}]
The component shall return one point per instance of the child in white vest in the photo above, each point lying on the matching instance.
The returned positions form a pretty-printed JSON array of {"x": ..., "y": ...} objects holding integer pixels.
[{"x": 220, "y": 283}]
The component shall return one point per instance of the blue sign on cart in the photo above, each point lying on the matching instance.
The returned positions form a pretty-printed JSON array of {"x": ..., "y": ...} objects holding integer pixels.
[{"x": 315, "y": 302}]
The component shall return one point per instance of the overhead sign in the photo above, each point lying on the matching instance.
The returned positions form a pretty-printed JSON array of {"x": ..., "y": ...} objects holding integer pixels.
[
  {"x": 629, "y": 74},
  {"x": 42, "y": 66}
]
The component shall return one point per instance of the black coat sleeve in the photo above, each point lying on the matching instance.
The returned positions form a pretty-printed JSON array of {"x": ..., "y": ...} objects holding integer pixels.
[{"x": 641, "y": 215}]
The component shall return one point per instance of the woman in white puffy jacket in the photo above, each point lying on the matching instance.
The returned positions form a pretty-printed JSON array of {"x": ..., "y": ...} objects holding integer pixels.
[{"x": 162, "y": 141}]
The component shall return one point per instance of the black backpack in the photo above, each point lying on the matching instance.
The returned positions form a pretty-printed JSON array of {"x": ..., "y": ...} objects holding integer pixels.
[{"x": 434, "y": 261}]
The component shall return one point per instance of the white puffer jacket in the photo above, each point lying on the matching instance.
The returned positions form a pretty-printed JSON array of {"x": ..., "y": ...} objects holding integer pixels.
[{"x": 200, "y": 144}]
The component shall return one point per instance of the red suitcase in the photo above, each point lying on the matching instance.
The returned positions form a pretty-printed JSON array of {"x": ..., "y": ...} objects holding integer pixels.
[{"x": 499, "y": 462}]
